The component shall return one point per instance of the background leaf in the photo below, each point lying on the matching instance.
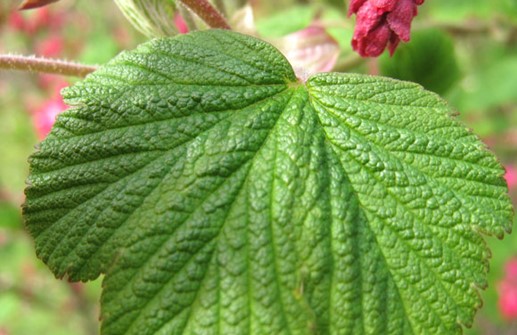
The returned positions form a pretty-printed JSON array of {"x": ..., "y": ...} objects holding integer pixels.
[
  {"x": 490, "y": 87},
  {"x": 456, "y": 11},
  {"x": 428, "y": 60}
]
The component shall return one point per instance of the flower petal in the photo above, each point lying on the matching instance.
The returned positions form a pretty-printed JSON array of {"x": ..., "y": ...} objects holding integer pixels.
[{"x": 400, "y": 19}]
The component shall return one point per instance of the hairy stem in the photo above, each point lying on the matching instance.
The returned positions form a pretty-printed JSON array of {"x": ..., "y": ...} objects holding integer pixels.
[
  {"x": 207, "y": 13},
  {"x": 44, "y": 65}
]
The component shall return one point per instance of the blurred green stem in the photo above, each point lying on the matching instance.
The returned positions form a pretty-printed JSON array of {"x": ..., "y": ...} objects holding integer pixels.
[
  {"x": 44, "y": 65},
  {"x": 207, "y": 13}
]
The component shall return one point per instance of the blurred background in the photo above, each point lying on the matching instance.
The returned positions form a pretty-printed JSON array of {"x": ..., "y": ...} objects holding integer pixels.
[{"x": 464, "y": 50}]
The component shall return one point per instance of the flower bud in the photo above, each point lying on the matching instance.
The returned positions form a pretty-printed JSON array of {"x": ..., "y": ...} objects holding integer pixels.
[{"x": 381, "y": 24}]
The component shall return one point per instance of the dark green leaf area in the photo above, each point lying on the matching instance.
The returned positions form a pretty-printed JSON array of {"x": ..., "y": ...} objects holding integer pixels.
[
  {"x": 428, "y": 60},
  {"x": 218, "y": 195}
]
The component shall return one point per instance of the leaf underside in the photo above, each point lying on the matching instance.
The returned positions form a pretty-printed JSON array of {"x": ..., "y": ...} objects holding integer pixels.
[{"x": 219, "y": 195}]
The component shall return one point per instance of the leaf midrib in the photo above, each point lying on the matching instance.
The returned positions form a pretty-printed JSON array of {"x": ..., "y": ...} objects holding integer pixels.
[{"x": 355, "y": 193}]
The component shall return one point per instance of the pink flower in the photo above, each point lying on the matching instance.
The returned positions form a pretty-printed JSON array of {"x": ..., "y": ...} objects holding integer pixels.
[
  {"x": 180, "y": 24},
  {"x": 50, "y": 47},
  {"x": 511, "y": 176},
  {"x": 511, "y": 269},
  {"x": 45, "y": 18},
  {"x": 16, "y": 21},
  {"x": 381, "y": 24},
  {"x": 45, "y": 115},
  {"x": 310, "y": 50},
  {"x": 507, "y": 290},
  {"x": 36, "y": 20}
]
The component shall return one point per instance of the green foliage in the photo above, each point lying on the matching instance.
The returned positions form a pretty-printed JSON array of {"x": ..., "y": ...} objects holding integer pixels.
[
  {"x": 489, "y": 87},
  {"x": 300, "y": 17},
  {"x": 31, "y": 300},
  {"x": 458, "y": 10},
  {"x": 428, "y": 60},
  {"x": 9, "y": 216},
  {"x": 16, "y": 144},
  {"x": 277, "y": 26},
  {"x": 219, "y": 194}
]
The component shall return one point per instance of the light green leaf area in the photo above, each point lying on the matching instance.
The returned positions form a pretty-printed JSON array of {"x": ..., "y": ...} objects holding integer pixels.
[{"x": 219, "y": 195}]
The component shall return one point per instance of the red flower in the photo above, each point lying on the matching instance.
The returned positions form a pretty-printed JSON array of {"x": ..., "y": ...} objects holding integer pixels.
[
  {"x": 50, "y": 47},
  {"x": 36, "y": 20},
  {"x": 45, "y": 115},
  {"x": 180, "y": 24},
  {"x": 511, "y": 176},
  {"x": 381, "y": 24},
  {"x": 16, "y": 21},
  {"x": 45, "y": 18},
  {"x": 507, "y": 289}
]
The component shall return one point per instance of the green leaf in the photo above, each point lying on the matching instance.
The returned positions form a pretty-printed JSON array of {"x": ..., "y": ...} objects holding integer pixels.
[
  {"x": 428, "y": 60},
  {"x": 220, "y": 195}
]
